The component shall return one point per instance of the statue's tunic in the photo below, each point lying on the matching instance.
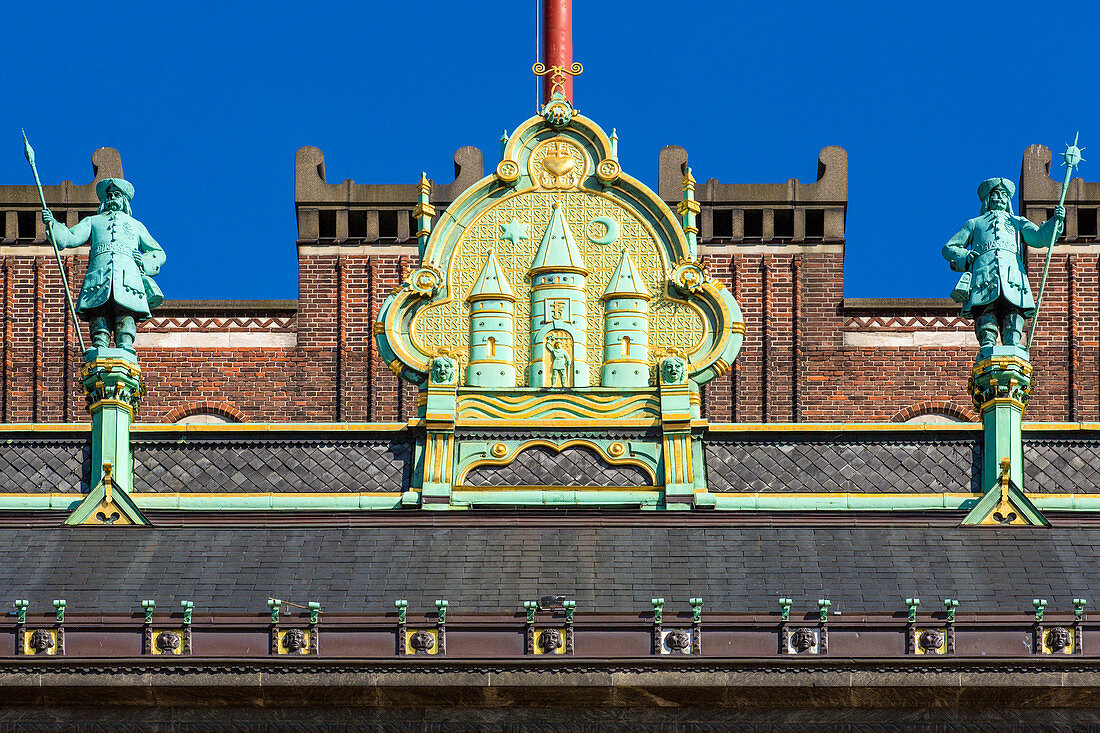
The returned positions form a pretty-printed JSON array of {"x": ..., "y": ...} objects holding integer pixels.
[
  {"x": 118, "y": 241},
  {"x": 998, "y": 270}
]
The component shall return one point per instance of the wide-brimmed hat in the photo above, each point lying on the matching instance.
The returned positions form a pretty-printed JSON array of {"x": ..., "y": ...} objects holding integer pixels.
[
  {"x": 120, "y": 183},
  {"x": 986, "y": 187}
]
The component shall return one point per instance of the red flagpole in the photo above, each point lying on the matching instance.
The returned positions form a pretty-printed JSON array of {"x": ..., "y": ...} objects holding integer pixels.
[{"x": 557, "y": 43}]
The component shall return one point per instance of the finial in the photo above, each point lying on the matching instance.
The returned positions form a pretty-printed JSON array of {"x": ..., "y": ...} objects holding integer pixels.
[
  {"x": 108, "y": 482},
  {"x": 689, "y": 180},
  {"x": 503, "y": 142},
  {"x": 614, "y": 144},
  {"x": 556, "y": 205}
]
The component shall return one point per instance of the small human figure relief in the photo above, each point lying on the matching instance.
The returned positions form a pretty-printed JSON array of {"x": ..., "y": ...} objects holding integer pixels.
[{"x": 559, "y": 359}]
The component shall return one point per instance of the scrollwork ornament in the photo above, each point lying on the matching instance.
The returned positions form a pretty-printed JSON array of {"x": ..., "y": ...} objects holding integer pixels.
[
  {"x": 425, "y": 280},
  {"x": 688, "y": 276}
]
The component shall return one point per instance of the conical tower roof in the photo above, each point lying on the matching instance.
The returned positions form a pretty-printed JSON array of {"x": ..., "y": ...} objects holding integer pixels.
[
  {"x": 626, "y": 281},
  {"x": 491, "y": 283},
  {"x": 557, "y": 251}
]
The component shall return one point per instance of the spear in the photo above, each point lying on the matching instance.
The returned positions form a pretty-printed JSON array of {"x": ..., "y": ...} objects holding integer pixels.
[
  {"x": 1070, "y": 159},
  {"x": 29, "y": 152}
]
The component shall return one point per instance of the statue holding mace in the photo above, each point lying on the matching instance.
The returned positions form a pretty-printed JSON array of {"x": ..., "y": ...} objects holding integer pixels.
[
  {"x": 118, "y": 289},
  {"x": 994, "y": 289}
]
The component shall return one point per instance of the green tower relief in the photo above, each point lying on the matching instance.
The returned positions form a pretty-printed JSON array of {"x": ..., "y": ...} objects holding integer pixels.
[
  {"x": 626, "y": 328},
  {"x": 559, "y": 314},
  {"x": 557, "y": 273},
  {"x": 492, "y": 327}
]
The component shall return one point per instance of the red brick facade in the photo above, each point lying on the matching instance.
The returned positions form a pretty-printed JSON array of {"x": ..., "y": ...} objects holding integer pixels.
[{"x": 810, "y": 355}]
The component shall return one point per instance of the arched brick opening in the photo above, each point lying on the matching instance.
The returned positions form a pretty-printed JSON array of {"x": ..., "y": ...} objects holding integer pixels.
[
  {"x": 224, "y": 410},
  {"x": 934, "y": 408}
]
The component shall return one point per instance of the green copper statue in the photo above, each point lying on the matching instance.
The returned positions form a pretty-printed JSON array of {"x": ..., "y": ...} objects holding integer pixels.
[
  {"x": 118, "y": 289},
  {"x": 559, "y": 364},
  {"x": 988, "y": 248}
]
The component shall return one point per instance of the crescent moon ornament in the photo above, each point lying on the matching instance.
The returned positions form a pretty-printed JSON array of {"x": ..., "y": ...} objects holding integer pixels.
[{"x": 610, "y": 235}]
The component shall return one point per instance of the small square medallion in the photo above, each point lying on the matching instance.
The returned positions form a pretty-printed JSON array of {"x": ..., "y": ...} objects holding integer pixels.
[
  {"x": 294, "y": 641},
  {"x": 167, "y": 641},
  {"x": 549, "y": 641},
  {"x": 930, "y": 641},
  {"x": 676, "y": 641},
  {"x": 422, "y": 641}
]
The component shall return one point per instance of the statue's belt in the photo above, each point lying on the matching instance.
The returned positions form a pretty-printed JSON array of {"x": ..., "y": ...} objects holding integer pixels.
[
  {"x": 117, "y": 248},
  {"x": 991, "y": 246}
]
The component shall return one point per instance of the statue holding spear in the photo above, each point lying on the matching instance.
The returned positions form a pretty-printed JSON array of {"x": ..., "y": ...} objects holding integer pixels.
[
  {"x": 118, "y": 289},
  {"x": 990, "y": 251}
]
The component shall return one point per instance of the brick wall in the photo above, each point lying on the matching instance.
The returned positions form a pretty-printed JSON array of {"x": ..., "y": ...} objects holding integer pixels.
[{"x": 810, "y": 355}]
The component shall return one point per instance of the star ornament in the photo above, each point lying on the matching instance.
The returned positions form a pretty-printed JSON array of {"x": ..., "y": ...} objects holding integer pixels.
[{"x": 514, "y": 231}]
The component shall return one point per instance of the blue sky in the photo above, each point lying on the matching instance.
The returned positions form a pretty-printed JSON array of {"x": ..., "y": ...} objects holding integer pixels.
[{"x": 208, "y": 103}]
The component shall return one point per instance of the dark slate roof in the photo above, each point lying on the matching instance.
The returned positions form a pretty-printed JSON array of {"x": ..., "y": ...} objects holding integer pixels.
[
  {"x": 262, "y": 463},
  {"x": 1062, "y": 463},
  {"x": 844, "y": 462},
  {"x": 45, "y": 463},
  {"x": 481, "y": 568}
]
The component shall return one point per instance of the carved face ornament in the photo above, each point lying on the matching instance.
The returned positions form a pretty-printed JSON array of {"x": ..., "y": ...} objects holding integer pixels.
[
  {"x": 421, "y": 642},
  {"x": 550, "y": 640},
  {"x": 678, "y": 640},
  {"x": 930, "y": 640},
  {"x": 41, "y": 641},
  {"x": 802, "y": 639},
  {"x": 1059, "y": 639},
  {"x": 294, "y": 641},
  {"x": 168, "y": 641}
]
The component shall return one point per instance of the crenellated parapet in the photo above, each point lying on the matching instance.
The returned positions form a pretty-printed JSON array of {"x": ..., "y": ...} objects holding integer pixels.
[
  {"x": 1039, "y": 194},
  {"x": 791, "y": 212},
  {"x": 350, "y": 212},
  {"x": 20, "y": 207}
]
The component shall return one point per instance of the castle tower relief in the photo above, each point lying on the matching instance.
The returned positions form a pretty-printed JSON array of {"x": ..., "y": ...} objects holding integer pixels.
[
  {"x": 559, "y": 316},
  {"x": 566, "y": 294},
  {"x": 625, "y": 328},
  {"x": 492, "y": 326}
]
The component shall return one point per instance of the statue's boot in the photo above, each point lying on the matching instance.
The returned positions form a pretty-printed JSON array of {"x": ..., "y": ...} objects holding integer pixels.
[
  {"x": 101, "y": 332},
  {"x": 1012, "y": 329},
  {"x": 125, "y": 333},
  {"x": 985, "y": 327}
]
